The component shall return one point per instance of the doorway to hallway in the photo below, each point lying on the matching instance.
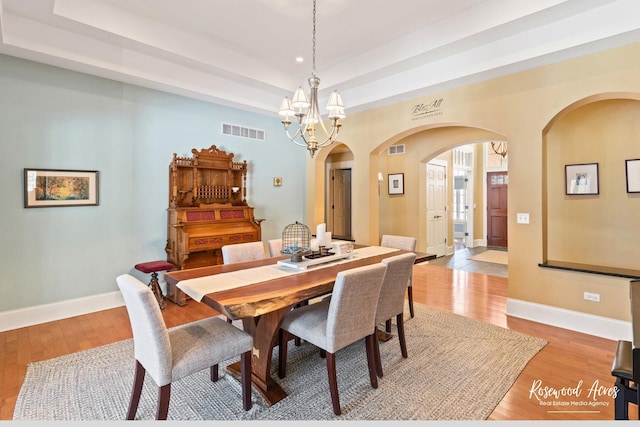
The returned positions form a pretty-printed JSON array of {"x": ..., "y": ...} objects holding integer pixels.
[{"x": 497, "y": 212}]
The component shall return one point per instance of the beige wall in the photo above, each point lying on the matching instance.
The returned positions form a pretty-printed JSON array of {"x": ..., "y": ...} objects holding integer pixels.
[{"x": 525, "y": 109}]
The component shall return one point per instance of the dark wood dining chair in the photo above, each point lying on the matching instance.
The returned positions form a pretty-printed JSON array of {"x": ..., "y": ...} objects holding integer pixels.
[
  {"x": 391, "y": 301},
  {"x": 169, "y": 355},
  {"x": 332, "y": 325}
]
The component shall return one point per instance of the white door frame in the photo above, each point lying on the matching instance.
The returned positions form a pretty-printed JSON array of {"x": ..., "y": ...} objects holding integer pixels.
[{"x": 445, "y": 164}]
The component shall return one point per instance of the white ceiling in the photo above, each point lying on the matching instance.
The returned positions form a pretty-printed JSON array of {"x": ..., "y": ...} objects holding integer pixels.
[{"x": 242, "y": 53}]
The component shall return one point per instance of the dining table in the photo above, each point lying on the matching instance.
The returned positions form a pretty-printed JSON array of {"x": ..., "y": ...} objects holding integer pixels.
[{"x": 259, "y": 293}]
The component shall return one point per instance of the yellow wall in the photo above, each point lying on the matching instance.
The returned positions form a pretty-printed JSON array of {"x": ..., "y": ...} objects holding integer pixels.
[{"x": 526, "y": 109}]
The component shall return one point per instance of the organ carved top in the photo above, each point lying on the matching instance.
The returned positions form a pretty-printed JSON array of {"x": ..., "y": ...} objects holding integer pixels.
[{"x": 209, "y": 177}]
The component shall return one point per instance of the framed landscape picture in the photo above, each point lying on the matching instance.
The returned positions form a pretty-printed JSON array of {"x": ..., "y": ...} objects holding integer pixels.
[
  {"x": 581, "y": 178},
  {"x": 57, "y": 187}
]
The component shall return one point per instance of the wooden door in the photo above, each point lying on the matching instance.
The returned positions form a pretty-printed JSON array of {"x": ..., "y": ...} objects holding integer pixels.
[
  {"x": 340, "y": 199},
  {"x": 436, "y": 209},
  {"x": 497, "y": 209}
]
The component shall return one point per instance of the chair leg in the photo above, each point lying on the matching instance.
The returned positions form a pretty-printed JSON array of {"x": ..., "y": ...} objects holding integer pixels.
[
  {"x": 370, "y": 345},
  {"x": 245, "y": 375},
  {"x": 282, "y": 354},
  {"x": 297, "y": 340},
  {"x": 214, "y": 373},
  {"x": 377, "y": 355},
  {"x": 138, "y": 381},
  {"x": 333, "y": 382},
  {"x": 387, "y": 325},
  {"x": 410, "y": 296},
  {"x": 164, "y": 395},
  {"x": 401, "y": 337}
]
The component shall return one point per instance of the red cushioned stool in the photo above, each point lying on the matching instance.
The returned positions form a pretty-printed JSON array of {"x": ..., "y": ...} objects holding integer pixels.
[{"x": 153, "y": 267}]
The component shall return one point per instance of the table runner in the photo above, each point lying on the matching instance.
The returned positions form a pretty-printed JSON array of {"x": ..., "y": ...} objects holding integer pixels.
[{"x": 197, "y": 288}]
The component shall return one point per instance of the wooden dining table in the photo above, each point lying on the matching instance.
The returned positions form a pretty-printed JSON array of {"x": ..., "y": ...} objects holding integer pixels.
[{"x": 261, "y": 306}]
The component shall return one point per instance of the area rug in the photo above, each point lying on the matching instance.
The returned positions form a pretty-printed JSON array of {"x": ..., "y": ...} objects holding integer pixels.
[
  {"x": 458, "y": 369},
  {"x": 497, "y": 257}
]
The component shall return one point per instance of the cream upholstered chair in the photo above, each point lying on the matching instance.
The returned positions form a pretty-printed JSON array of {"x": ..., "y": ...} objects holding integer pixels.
[
  {"x": 242, "y": 252},
  {"x": 275, "y": 247},
  {"x": 239, "y": 252},
  {"x": 626, "y": 363},
  {"x": 391, "y": 301},
  {"x": 332, "y": 325},
  {"x": 169, "y": 355},
  {"x": 405, "y": 243}
]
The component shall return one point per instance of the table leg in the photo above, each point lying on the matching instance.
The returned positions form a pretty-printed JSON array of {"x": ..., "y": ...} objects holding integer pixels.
[{"x": 264, "y": 330}]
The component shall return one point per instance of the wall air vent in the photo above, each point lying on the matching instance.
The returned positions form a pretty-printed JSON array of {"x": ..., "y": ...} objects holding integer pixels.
[
  {"x": 396, "y": 149},
  {"x": 242, "y": 131}
]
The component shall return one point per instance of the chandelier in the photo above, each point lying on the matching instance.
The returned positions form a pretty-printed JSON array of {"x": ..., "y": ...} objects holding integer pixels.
[
  {"x": 306, "y": 111},
  {"x": 500, "y": 148}
]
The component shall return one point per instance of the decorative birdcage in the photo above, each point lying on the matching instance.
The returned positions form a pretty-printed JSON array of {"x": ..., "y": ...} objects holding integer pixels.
[{"x": 295, "y": 239}]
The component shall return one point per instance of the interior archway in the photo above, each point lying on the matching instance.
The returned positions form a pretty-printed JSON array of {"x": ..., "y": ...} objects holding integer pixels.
[
  {"x": 597, "y": 134},
  {"x": 397, "y": 214}
]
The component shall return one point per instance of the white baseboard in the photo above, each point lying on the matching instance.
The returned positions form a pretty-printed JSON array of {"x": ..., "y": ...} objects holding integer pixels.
[
  {"x": 567, "y": 319},
  {"x": 20, "y": 318},
  {"x": 573, "y": 320}
]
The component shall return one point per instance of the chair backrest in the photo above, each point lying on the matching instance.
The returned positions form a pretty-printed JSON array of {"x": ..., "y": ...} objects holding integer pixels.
[
  {"x": 394, "y": 286},
  {"x": 152, "y": 347},
  {"x": 635, "y": 312},
  {"x": 275, "y": 247},
  {"x": 242, "y": 252},
  {"x": 353, "y": 305},
  {"x": 399, "y": 242}
]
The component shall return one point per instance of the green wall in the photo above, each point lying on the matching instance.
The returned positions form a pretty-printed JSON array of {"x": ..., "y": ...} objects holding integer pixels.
[{"x": 52, "y": 118}]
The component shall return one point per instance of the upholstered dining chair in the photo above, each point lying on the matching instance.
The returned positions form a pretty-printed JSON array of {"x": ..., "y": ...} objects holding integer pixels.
[
  {"x": 332, "y": 325},
  {"x": 275, "y": 247},
  {"x": 391, "y": 301},
  {"x": 408, "y": 244},
  {"x": 169, "y": 355},
  {"x": 239, "y": 252}
]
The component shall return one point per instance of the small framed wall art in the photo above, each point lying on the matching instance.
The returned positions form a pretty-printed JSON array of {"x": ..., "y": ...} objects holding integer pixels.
[
  {"x": 581, "y": 179},
  {"x": 58, "y": 187},
  {"x": 632, "y": 169},
  {"x": 396, "y": 183}
]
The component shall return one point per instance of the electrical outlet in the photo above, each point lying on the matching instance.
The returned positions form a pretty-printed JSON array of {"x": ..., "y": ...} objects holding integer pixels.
[
  {"x": 522, "y": 218},
  {"x": 589, "y": 296}
]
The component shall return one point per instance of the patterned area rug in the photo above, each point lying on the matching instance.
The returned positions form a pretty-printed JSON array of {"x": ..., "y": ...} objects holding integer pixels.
[{"x": 458, "y": 369}]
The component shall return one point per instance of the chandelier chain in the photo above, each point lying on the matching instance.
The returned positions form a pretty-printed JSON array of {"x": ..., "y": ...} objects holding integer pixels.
[
  {"x": 307, "y": 114},
  {"x": 313, "y": 38}
]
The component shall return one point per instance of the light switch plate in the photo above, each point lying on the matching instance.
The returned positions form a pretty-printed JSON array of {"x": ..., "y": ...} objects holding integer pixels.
[{"x": 522, "y": 218}]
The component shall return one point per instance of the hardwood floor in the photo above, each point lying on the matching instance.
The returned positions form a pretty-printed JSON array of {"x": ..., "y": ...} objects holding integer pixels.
[{"x": 570, "y": 359}]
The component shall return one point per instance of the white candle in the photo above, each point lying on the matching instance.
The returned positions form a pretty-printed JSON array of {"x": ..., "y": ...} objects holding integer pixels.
[
  {"x": 320, "y": 229},
  {"x": 314, "y": 245},
  {"x": 327, "y": 240}
]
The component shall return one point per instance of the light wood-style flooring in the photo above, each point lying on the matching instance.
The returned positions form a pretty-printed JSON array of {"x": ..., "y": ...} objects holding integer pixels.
[{"x": 570, "y": 359}]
